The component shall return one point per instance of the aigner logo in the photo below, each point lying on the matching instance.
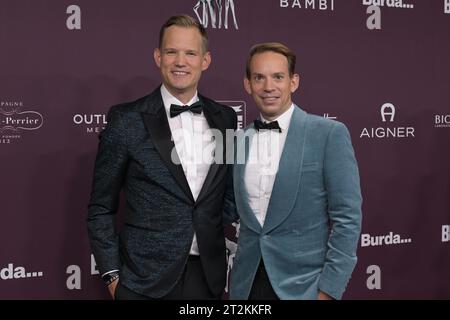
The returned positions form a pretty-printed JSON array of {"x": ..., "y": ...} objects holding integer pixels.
[
  {"x": 213, "y": 9},
  {"x": 387, "y": 112}
]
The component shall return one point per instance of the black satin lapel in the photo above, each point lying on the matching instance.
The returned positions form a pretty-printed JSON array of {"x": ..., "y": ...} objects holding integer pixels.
[{"x": 158, "y": 126}]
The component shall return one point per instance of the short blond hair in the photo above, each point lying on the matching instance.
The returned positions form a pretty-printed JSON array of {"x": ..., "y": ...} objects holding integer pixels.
[{"x": 185, "y": 21}]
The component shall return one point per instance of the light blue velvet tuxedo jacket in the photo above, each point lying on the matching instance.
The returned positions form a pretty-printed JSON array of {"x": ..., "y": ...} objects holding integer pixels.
[{"x": 309, "y": 238}]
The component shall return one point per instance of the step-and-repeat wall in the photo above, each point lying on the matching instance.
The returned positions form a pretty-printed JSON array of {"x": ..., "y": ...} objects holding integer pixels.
[{"x": 380, "y": 66}]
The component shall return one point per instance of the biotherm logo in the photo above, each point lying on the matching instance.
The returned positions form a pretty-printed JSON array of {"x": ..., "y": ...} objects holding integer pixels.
[{"x": 442, "y": 121}]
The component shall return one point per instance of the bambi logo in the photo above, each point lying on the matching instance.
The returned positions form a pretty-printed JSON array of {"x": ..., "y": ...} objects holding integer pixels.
[
  {"x": 385, "y": 113},
  {"x": 212, "y": 9}
]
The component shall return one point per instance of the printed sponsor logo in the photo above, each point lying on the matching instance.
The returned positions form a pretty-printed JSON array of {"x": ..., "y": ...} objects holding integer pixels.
[
  {"x": 14, "y": 121},
  {"x": 327, "y": 116},
  {"x": 388, "y": 3},
  {"x": 387, "y": 112},
  {"x": 216, "y": 12},
  {"x": 445, "y": 233},
  {"x": 308, "y": 4},
  {"x": 240, "y": 108},
  {"x": 12, "y": 272},
  {"x": 91, "y": 123},
  {"x": 391, "y": 238},
  {"x": 442, "y": 121}
]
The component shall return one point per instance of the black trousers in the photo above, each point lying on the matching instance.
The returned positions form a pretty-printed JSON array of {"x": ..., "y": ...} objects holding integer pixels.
[
  {"x": 261, "y": 288},
  {"x": 191, "y": 286}
]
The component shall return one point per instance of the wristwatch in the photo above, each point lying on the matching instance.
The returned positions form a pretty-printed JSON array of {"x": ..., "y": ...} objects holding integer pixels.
[{"x": 110, "y": 277}]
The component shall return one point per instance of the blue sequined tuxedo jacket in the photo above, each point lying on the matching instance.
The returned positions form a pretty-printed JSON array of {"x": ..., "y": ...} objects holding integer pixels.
[{"x": 160, "y": 215}]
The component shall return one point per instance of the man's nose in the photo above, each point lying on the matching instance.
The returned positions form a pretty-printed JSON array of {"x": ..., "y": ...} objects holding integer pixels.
[
  {"x": 180, "y": 59},
  {"x": 268, "y": 85}
]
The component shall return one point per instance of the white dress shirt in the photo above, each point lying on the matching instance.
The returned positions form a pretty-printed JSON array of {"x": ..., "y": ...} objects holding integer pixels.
[
  {"x": 192, "y": 139},
  {"x": 265, "y": 149}
]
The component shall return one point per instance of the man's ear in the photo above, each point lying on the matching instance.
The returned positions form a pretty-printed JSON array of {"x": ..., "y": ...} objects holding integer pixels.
[
  {"x": 206, "y": 61},
  {"x": 247, "y": 85},
  {"x": 295, "y": 82},
  {"x": 157, "y": 57}
]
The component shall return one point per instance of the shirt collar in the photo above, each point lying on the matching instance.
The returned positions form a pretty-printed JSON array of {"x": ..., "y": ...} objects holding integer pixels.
[
  {"x": 169, "y": 99},
  {"x": 284, "y": 119}
]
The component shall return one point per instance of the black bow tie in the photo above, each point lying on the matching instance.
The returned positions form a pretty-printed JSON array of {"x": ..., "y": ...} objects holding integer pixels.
[
  {"x": 259, "y": 125},
  {"x": 176, "y": 109}
]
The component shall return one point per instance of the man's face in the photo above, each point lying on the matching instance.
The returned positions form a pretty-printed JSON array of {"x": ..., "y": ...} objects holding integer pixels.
[
  {"x": 270, "y": 84},
  {"x": 181, "y": 61}
]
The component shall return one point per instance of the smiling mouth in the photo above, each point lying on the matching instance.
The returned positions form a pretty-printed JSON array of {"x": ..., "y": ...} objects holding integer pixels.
[
  {"x": 180, "y": 73},
  {"x": 269, "y": 99}
]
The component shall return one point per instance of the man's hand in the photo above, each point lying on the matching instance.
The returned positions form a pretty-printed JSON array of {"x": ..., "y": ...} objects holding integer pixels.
[
  {"x": 112, "y": 287},
  {"x": 323, "y": 296}
]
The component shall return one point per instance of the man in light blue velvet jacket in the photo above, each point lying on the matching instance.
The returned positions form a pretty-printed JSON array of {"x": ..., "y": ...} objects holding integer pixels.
[{"x": 297, "y": 192}]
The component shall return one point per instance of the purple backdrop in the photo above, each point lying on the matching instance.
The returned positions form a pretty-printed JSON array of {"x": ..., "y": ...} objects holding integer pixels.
[{"x": 62, "y": 67}]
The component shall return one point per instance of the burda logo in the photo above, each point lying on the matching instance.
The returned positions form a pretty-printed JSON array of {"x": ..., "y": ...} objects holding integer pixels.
[
  {"x": 13, "y": 121},
  {"x": 390, "y": 239},
  {"x": 387, "y": 112},
  {"x": 73, "y": 281},
  {"x": 240, "y": 108},
  {"x": 373, "y": 282},
  {"x": 214, "y": 11},
  {"x": 308, "y": 4},
  {"x": 11, "y": 272},
  {"x": 92, "y": 123},
  {"x": 388, "y": 3}
]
